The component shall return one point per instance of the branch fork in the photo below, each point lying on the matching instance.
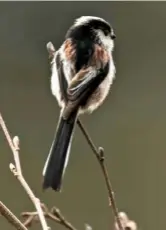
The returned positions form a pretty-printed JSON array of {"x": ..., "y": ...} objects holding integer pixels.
[{"x": 17, "y": 172}]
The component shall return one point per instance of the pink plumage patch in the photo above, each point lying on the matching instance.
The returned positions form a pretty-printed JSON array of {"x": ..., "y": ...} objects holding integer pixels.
[
  {"x": 69, "y": 50},
  {"x": 100, "y": 55}
]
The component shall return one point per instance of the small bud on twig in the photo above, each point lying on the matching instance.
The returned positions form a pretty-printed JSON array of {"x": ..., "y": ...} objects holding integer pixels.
[
  {"x": 13, "y": 169},
  {"x": 16, "y": 142},
  {"x": 101, "y": 153},
  {"x": 126, "y": 222}
]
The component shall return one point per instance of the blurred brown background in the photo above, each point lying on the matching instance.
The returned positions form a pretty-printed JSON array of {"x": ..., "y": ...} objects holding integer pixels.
[{"x": 131, "y": 125}]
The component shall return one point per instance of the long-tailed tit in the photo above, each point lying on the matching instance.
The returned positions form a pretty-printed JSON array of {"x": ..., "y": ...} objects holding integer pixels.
[{"x": 82, "y": 73}]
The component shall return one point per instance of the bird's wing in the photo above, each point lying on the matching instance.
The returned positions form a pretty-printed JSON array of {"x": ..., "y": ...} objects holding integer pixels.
[
  {"x": 82, "y": 86},
  {"x": 62, "y": 80},
  {"x": 81, "y": 81},
  {"x": 85, "y": 82}
]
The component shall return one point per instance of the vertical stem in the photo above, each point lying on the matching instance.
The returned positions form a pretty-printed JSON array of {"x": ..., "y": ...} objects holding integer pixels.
[{"x": 101, "y": 161}]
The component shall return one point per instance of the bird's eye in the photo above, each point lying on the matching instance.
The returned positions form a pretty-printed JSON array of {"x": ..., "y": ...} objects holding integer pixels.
[{"x": 106, "y": 32}]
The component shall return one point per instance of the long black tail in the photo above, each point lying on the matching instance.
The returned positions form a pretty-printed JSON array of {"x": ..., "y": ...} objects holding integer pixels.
[{"x": 59, "y": 153}]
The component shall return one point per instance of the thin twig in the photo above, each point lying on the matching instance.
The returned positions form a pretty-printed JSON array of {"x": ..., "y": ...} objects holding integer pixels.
[
  {"x": 53, "y": 214},
  {"x": 28, "y": 221},
  {"x": 4, "y": 211},
  {"x": 16, "y": 170},
  {"x": 56, "y": 212},
  {"x": 99, "y": 153}
]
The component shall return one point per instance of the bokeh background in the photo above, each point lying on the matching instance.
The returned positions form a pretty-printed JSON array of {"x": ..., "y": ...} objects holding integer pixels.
[{"x": 131, "y": 124}]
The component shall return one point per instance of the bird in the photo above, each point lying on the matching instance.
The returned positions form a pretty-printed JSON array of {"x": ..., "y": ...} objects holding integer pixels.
[{"x": 82, "y": 72}]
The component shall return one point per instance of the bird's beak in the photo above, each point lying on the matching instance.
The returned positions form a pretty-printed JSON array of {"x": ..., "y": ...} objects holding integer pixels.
[{"x": 113, "y": 36}]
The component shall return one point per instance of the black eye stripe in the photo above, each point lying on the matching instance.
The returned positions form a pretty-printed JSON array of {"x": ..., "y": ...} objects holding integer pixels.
[{"x": 107, "y": 32}]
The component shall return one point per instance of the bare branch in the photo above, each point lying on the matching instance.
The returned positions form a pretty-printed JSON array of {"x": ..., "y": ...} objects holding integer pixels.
[
  {"x": 56, "y": 212},
  {"x": 4, "y": 211},
  {"x": 16, "y": 170},
  {"x": 99, "y": 153},
  {"x": 53, "y": 214}
]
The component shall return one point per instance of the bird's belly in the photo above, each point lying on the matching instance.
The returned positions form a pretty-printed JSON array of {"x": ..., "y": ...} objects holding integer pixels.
[{"x": 97, "y": 98}]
